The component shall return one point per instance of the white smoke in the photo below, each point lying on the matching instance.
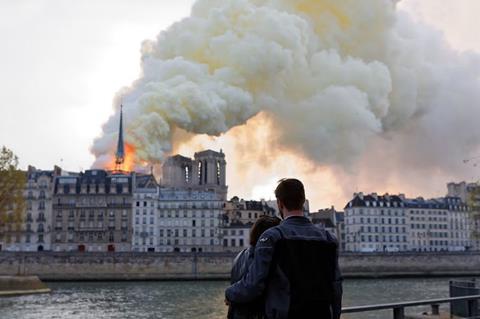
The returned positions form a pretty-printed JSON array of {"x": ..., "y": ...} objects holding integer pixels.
[{"x": 339, "y": 80}]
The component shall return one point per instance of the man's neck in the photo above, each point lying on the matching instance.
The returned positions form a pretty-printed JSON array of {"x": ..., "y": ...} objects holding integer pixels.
[{"x": 293, "y": 213}]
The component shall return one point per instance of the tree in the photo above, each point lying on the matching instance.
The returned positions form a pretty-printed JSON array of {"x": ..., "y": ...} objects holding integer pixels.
[{"x": 12, "y": 201}]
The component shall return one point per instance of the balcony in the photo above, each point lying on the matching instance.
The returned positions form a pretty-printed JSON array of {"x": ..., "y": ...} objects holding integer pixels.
[
  {"x": 64, "y": 205},
  {"x": 40, "y": 220},
  {"x": 120, "y": 205}
]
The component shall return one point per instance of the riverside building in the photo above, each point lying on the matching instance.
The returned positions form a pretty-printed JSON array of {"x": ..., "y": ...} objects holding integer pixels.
[
  {"x": 238, "y": 219},
  {"x": 92, "y": 211},
  {"x": 34, "y": 231},
  {"x": 188, "y": 220},
  {"x": 333, "y": 221},
  {"x": 392, "y": 223},
  {"x": 469, "y": 193},
  {"x": 145, "y": 213}
]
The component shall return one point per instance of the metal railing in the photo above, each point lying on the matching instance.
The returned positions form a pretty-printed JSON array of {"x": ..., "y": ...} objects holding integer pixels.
[{"x": 399, "y": 308}]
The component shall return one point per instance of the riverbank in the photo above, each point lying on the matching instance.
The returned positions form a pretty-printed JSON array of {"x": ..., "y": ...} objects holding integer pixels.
[
  {"x": 53, "y": 266},
  {"x": 21, "y": 285}
]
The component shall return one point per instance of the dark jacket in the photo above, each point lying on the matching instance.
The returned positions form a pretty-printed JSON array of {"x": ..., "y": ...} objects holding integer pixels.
[
  {"x": 251, "y": 310},
  {"x": 295, "y": 266}
]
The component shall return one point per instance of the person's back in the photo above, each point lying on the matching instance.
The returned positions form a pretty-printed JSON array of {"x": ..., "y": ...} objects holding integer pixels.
[
  {"x": 295, "y": 265},
  {"x": 254, "y": 309},
  {"x": 305, "y": 270}
]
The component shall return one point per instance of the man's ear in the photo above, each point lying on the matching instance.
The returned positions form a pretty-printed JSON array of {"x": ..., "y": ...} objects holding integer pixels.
[{"x": 280, "y": 205}]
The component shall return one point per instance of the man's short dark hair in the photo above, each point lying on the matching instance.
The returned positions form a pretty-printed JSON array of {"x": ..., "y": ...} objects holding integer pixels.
[
  {"x": 291, "y": 193},
  {"x": 261, "y": 225}
]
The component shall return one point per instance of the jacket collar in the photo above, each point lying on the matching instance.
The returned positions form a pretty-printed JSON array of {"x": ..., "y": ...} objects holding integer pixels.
[{"x": 296, "y": 220}]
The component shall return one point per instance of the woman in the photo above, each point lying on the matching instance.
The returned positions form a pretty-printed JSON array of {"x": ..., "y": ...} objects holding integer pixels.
[{"x": 253, "y": 310}]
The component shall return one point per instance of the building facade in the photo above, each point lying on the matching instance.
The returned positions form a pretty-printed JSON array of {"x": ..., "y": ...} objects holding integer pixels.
[
  {"x": 188, "y": 220},
  {"x": 145, "y": 213},
  {"x": 33, "y": 232},
  {"x": 92, "y": 211},
  {"x": 392, "y": 223},
  {"x": 333, "y": 221},
  {"x": 238, "y": 219},
  {"x": 469, "y": 193}
]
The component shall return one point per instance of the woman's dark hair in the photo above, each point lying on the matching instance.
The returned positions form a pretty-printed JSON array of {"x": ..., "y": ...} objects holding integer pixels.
[
  {"x": 262, "y": 224},
  {"x": 291, "y": 193}
]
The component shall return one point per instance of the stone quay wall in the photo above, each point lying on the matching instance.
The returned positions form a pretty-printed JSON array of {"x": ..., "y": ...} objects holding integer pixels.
[{"x": 216, "y": 266}]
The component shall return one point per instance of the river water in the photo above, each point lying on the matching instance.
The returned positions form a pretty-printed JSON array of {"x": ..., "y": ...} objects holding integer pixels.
[{"x": 187, "y": 300}]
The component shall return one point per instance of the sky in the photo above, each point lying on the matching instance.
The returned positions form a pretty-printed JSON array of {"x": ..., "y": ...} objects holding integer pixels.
[{"x": 62, "y": 61}]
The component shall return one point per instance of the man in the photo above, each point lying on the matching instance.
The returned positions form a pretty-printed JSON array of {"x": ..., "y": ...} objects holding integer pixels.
[{"x": 295, "y": 266}]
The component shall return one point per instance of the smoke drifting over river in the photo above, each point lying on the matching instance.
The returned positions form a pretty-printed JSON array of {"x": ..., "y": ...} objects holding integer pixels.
[{"x": 354, "y": 93}]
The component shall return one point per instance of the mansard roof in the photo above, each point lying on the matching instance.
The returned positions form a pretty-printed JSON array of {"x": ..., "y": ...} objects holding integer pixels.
[
  {"x": 94, "y": 178},
  {"x": 392, "y": 201},
  {"x": 145, "y": 181},
  {"x": 360, "y": 200}
]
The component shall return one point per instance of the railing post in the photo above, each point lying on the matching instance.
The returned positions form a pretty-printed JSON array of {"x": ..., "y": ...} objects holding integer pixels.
[
  {"x": 399, "y": 313},
  {"x": 472, "y": 308}
]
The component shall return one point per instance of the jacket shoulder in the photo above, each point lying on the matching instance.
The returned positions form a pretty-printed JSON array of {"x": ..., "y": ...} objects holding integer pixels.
[{"x": 270, "y": 236}]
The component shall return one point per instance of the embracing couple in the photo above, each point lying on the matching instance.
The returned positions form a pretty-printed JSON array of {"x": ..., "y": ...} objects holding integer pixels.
[{"x": 290, "y": 271}]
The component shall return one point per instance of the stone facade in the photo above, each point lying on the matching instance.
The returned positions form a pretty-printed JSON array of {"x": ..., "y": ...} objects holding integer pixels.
[
  {"x": 194, "y": 266},
  {"x": 145, "y": 213},
  {"x": 333, "y": 221},
  {"x": 92, "y": 211},
  {"x": 188, "y": 220},
  {"x": 238, "y": 219},
  {"x": 206, "y": 172},
  {"x": 34, "y": 233},
  {"x": 394, "y": 223},
  {"x": 469, "y": 193}
]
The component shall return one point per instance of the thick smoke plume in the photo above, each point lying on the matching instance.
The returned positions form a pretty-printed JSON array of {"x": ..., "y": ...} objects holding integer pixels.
[{"x": 349, "y": 85}]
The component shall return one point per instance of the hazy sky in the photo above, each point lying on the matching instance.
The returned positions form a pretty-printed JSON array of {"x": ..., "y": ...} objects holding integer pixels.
[{"x": 61, "y": 61}]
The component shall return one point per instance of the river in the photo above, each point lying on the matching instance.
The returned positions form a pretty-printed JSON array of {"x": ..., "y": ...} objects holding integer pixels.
[{"x": 187, "y": 300}]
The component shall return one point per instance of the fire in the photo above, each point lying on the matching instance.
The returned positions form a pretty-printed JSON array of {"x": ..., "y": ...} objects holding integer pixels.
[{"x": 128, "y": 162}]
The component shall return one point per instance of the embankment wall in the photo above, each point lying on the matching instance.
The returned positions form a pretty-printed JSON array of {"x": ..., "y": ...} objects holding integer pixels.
[{"x": 207, "y": 266}]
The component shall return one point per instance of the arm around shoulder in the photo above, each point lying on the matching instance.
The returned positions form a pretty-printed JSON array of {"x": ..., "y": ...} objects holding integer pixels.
[{"x": 253, "y": 283}]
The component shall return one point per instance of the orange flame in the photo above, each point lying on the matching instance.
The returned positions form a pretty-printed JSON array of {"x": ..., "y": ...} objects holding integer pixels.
[{"x": 128, "y": 163}]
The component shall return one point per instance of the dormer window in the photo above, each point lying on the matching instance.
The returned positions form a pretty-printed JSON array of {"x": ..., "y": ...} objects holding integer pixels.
[{"x": 367, "y": 203}]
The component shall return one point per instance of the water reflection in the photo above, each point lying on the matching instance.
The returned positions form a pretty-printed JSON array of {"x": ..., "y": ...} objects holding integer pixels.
[{"x": 186, "y": 300}]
